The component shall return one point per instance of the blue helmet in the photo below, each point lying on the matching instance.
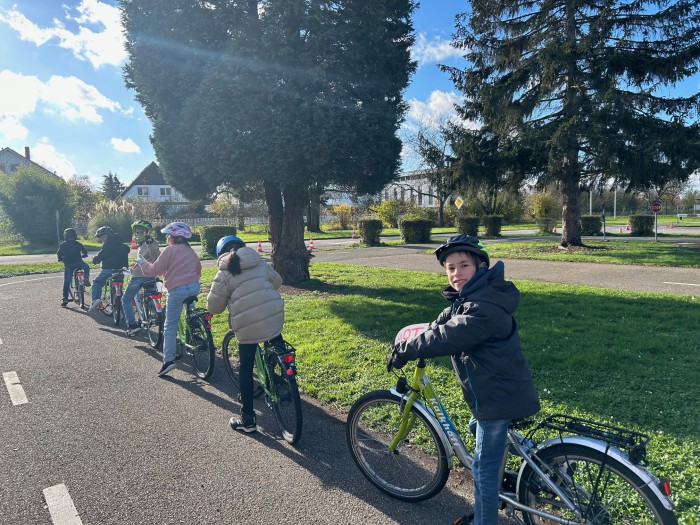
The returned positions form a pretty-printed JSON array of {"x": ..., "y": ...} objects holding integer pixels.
[{"x": 228, "y": 243}]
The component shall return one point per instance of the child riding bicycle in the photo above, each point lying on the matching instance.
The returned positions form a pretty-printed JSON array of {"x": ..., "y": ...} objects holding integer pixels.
[
  {"x": 480, "y": 334},
  {"x": 113, "y": 256},
  {"x": 180, "y": 267},
  {"x": 149, "y": 250},
  {"x": 70, "y": 253},
  {"x": 248, "y": 286}
]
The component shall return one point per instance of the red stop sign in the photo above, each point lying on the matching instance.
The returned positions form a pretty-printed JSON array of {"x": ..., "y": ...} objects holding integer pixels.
[{"x": 656, "y": 206}]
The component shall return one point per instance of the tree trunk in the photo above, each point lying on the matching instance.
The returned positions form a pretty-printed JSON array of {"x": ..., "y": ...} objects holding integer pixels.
[
  {"x": 289, "y": 255},
  {"x": 241, "y": 216},
  {"x": 441, "y": 213},
  {"x": 313, "y": 215},
  {"x": 571, "y": 231}
]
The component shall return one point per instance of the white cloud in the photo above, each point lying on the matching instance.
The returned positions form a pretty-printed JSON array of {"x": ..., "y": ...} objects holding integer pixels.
[
  {"x": 45, "y": 154},
  {"x": 431, "y": 51},
  {"x": 12, "y": 129},
  {"x": 125, "y": 145},
  {"x": 438, "y": 107},
  {"x": 77, "y": 100},
  {"x": 98, "y": 38}
]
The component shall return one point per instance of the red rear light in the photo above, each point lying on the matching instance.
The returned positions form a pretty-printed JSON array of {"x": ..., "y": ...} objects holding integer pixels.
[
  {"x": 289, "y": 358},
  {"x": 665, "y": 486},
  {"x": 290, "y": 372}
]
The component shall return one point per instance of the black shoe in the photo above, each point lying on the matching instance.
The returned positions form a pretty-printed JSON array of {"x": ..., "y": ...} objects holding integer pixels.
[
  {"x": 167, "y": 367},
  {"x": 64, "y": 302},
  {"x": 133, "y": 329},
  {"x": 245, "y": 424}
]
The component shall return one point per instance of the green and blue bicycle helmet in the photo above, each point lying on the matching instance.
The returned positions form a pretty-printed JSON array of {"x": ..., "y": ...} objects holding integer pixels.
[
  {"x": 69, "y": 234},
  {"x": 228, "y": 243},
  {"x": 462, "y": 243}
]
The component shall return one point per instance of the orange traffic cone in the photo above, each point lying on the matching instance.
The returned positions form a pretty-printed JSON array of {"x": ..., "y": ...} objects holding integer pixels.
[
  {"x": 260, "y": 250},
  {"x": 353, "y": 232},
  {"x": 133, "y": 243},
  {"x": 628, "y": 227},
  {"x": 554, "y": 230},
  {"x": 311, "y": 244}
]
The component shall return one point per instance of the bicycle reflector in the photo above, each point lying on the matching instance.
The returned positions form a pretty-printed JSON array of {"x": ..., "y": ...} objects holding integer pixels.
[
  {"x": 665, "y": 486},
  {"x": 288, "y": 360},
  {"x": 207, "y": 320}
]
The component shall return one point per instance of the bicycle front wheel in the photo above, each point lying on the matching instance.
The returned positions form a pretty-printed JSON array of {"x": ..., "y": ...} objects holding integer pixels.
[
  {"x": 79, "y": 293},
  {"x": 116, "y": 308},
  {"x": 202, "y": 349},
  {"x": 286, "y": 403},
  {"x": 603, "y": 490},
  {"x": 153, "y": 322},
  {"x": 418, "y": 468}
]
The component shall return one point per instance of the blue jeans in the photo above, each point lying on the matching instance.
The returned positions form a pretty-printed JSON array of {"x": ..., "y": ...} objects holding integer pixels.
[
  {"x": 173, "y": 310},
  {"x": 68, "y": 275},
  {"x": 99, "y": 282},
  {"x": 131, "y": 294},
  {"x": 486, "y": 469}
]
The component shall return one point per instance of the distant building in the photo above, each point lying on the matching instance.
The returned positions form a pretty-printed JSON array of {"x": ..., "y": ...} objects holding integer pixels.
[
  {"x": 151, "y": 185},
  {"x": 10, "y": 160},
  {"x": 410, "y": 186}
]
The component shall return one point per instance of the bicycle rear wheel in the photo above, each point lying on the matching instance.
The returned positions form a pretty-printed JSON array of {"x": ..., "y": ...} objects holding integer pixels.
[
  {"x": 202, "y": 349},
  {"x": 116, "y": 308},
  {"x": 604, "y": 490},
  {"x": 79, "y": 293},
  {"x": 107, "y": 296},
  {"x": 229, "y": 351},
  {"x": 284, "y": 399},
  {"x": 417, "y": 469},
  {"x": 153, "y": 321}
]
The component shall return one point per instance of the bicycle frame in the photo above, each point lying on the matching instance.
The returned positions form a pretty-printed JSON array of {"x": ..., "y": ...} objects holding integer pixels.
[
  {"x": 286, "y": 361},
  {"x": 151, "y": 289}
]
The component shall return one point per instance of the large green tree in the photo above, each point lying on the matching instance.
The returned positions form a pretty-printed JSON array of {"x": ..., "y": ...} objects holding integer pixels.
[
  {"x": 112, "y": 187},
  {"x": 589, "y": 84},
  {"x": 287, "y": 93}
]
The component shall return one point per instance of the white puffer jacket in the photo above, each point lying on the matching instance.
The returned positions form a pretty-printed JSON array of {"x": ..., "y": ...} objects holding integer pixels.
[{"x": 256, "y": 309}]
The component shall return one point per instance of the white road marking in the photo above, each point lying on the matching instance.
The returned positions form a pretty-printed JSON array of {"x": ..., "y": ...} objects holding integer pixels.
[
  {"x": 0, "y": 340},
  {"x": 14, "y": 387},
  {"x": 30, "y": 280},
  {"x": 61, "y": 507},
  {"x": 682, "y": 284}
]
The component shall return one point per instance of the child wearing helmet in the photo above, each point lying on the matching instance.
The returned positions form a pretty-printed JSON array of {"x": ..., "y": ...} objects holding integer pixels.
[
  {"x": 180, "y": 267},
  {"x": 70, "y": 253},
  {"x": 480, "y": 334},
  {"x": 113, "y": 256},
  {"x": 248, "y": 286},
  {"x": 149, "y": 250}
]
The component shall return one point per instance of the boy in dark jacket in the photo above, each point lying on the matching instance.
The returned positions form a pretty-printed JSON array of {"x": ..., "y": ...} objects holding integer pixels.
[
  {"x": 113, "y": 255},
  {"x": 480, "y": 334},
  {"x": 70, "y": 253}
]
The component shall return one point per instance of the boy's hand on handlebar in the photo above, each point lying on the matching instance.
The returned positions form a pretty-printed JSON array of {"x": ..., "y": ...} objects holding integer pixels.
[
  {"x": 400, "y": 356},
  {"x": 139, "y": 259}
]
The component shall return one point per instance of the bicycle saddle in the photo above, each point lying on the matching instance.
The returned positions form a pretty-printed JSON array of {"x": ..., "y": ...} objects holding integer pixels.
[{"x": 191, "y": 299}]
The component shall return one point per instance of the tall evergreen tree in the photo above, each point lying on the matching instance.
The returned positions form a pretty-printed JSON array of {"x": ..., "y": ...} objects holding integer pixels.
[
  {"x": 587, "y": 83},
  {"x": 111, "y": 186},
  {"x": 290, "y": 93}
]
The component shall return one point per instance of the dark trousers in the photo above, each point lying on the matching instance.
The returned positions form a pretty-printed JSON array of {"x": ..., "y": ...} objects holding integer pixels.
[
  {"x": 245, "y": 377},
  {"x": 68, "y": 275}
]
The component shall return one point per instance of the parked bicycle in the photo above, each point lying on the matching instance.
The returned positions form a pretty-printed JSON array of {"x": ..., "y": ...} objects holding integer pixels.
[
  {"x": 194, "y": 338},
  {"x": 149, "y": 311},
  {"x": 112, "y": 295},
  {"x": 76, "y": 291},
  {"x": 275, "y": 367},
  {"x": 583, "y": 473}
]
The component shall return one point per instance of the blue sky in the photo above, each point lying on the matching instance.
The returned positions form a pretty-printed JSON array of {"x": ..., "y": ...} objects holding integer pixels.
[{"x": 62, "y": 92}]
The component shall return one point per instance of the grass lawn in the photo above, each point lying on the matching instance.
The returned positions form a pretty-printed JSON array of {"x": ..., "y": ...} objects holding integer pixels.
[
  {"x": 22, "y": 249},
  {"x": 624, "y": 357}
]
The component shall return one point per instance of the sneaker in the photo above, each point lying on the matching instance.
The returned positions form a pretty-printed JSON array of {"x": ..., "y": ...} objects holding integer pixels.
[
  {"x": 64, "y": 302},
  {"x": 133, "y": 329},
  {"x": 167, "y": 367},
  {"x": 244, "y": 424},
  {"x": 94, "y": 306}
]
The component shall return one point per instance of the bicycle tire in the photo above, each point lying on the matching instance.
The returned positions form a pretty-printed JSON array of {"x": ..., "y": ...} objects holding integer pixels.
[
  {"x": 153, "y": 323},
  {"x": 417, "y": 470},
  {"x": 107, "y": 299},
  {"x": 621, "y": 496},
  {"x": 72, "y": 296},
  {"x": 229, "y": 352},
  {"x": 284, "y": 399},
  {"x": 202, "y": 352},
  {"x": 116, "y": 307},
  {"x": 79, "y": 293}
]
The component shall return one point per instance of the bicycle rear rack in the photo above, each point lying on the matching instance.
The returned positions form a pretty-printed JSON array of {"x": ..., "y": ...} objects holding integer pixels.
[{"x": 634, "y": 443}]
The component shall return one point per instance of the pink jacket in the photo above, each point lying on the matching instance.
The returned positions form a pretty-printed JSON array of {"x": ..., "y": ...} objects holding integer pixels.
[{"x": 178, "y": 264}]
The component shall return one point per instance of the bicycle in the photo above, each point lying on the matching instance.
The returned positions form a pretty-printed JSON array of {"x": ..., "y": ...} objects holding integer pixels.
[
  {"x": 149, "y": 311},
  {"x": 194, "y": 338},
  {"x": 76, "y": 290},
  {"x": 112, "y": 295},
  {"x": 583, "y": 473},
  {"x": 275, "y": 378}
]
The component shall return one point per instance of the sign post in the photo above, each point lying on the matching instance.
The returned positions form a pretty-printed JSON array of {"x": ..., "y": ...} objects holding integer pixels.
[{"x": 656, "y": 208}]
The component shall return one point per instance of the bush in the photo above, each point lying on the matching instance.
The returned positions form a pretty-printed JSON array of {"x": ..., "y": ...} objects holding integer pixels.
[
  {"x": 210, "y": 235},
  {"x": 641, "y": 224},
  {"x": 493, "y": 224},
  {"x": 416, "y": 230},
  {"x": 117, "y": 215},
  {"x": 370, "y": 229},
  {"x": 591, "y": 225},
  {"x": 343, "y": 212},
  {"x": 544, "y": 205},
  {"x": 414, "y": 213},
  {"x": 468, "y": 225},
  {"x": 388, "y": 211},
  {"x": 546, "y": 225}
]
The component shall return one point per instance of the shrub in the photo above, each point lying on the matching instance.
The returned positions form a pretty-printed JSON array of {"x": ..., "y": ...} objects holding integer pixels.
[
  {"x": 343, "y": 212},
  {"x": 468, "y": 225},
  {"x": 641, "y": 224},
  {"x": 591, "y": 225},
  {"x": 546, "y": 225},
  {"x": 388, "y": 211},
  {"x": 493, "y": 224},
  {"x": 415, "y": 230},
  {"x": 414, "y": 213},
  {"x": 210, "y": 235},
  {"x": 117, "y": 215},
  {"x": 544, "y": 205},
  {"x": 370, "y": 229}
]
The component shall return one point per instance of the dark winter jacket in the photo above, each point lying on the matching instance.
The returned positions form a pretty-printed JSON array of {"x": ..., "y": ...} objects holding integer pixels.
[
  {"x": 479, "y": 332},
  {"x": 71, "y": 252},
  {"x": 114, "y": 253}
]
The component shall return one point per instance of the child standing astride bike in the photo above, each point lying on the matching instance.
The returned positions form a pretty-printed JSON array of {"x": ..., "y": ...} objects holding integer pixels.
[
  {"x": 113, "y": 256},
  {"x": 248, "y": 286},
  {"x": 149, "y": 250},
  {"x": 480, "y": 334},
  {"x": 180, "y": 267},
  {"x": 70, "y": 253}
]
